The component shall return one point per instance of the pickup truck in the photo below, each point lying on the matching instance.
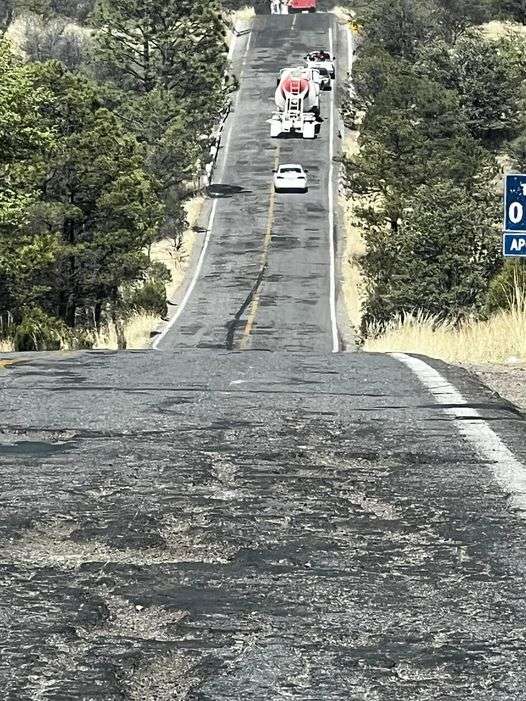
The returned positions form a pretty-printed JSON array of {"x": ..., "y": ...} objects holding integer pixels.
[{"x": 302, "y": 6}]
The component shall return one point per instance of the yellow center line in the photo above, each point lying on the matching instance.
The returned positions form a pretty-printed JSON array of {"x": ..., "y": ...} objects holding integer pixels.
[{"x": 254, "y": 304}]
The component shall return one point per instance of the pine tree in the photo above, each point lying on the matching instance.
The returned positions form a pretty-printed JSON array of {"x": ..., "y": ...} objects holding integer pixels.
[{"x": 176, "y": 45}]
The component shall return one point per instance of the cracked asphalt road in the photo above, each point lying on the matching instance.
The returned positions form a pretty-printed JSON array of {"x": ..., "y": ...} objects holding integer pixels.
[
  {"x": 208, "y": 524},
  {"x": 257, "y": 525}
]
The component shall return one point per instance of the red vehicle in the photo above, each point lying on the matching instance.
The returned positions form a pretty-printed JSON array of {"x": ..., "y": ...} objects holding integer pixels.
[{"x": 302, "y": 6}]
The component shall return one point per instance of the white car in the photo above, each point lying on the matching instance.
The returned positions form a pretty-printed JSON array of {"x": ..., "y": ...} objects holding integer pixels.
[{"x": 290, "y": 177}]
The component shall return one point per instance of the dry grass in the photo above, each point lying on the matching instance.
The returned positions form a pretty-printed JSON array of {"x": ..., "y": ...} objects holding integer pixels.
[
  {"x": 343, "y": 14},
  {"x": 177, "y": 259},
  {"x": 237, "y": 19},
  {"x": 245, "y": 14},
  {"x": 352, "y": 278},
  {"x": 6, "y": 346},
  {"x": 17, "y": 30},
  {"x": 137, "y": 330},
  {"x": 500, "y": 30},
  {"x": 496, "y": 340}
]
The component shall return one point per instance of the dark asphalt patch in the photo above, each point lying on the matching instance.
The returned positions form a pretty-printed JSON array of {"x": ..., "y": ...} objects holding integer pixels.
[
  {"x": 36, "y": 449},
  {"x": 217, "y": 191}
]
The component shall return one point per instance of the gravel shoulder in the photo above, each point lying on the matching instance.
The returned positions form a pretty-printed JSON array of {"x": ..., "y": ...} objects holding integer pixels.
[{"x": 509, "y": 381}]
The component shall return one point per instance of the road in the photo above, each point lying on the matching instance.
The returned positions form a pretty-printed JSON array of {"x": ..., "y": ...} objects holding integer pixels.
[
  {"x": 202, "y": 523},
  {"x": 266, "y": 278},
  {"x": 253, "y": 526}
]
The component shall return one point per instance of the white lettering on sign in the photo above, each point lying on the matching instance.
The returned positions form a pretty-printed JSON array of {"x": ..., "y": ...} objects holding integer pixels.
[
  {"x": 515, "y": 212},
  {"x": 523, "y": 187},
  {"x": 518, "y": 245}
]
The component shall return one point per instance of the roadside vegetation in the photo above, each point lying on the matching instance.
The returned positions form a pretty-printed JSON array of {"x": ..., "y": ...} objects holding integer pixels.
[
  {"x": 438, "y": 110},
  {"x": 105, "y": 113}
]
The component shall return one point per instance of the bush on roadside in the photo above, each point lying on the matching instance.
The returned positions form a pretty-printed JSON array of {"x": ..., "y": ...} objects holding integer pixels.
[
  {"x": 39, "y": 331},
  {"x": 507, "y": 286},
  {"x": 150, "y": 296}
]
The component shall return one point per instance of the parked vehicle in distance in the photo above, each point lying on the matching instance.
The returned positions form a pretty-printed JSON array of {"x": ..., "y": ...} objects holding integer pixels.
[
  {"x": 322, "y": 77},
  {"x": 297, "y": 98},
  {"x": 302, "y": 6},
  {"x": 321, "y": 59},
  {"x": 290, "y": 177}
]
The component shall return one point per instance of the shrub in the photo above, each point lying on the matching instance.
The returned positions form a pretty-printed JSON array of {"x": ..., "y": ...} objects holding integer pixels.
[
  {"x": 507, "y": 286},
  {"x": 39, "y": 331}
]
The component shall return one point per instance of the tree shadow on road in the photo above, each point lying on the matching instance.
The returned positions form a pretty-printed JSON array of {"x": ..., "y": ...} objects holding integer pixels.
[{"x": 219, "y": 190}]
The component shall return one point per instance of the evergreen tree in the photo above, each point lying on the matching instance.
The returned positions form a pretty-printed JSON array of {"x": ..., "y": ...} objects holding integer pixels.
[
  {"x": 77, "y": 208},
  {"x": 177, "y": 46},
  {"x": 441, "y": 258}
]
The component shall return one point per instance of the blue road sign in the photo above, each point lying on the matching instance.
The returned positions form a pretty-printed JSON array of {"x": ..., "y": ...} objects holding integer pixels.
[
  {"x": 514, "y": 245},
  {"x": 515, "y": 203}
]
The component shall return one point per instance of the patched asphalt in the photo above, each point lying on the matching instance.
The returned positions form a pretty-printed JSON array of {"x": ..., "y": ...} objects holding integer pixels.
[{"x": 209, "y": 524}]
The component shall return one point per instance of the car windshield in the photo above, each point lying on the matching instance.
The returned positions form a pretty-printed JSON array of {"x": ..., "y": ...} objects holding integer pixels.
[{"x": 290, "y": 170}]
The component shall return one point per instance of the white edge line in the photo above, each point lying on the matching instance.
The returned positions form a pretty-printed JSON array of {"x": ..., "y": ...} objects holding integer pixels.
[
  {"x": 508, "y": 471},
  {"x": 247, "y": 47},
  {"x": 332, "y": 284},
  {"x": 349, "y": 51},
  {"x": 192, "y": 284}
]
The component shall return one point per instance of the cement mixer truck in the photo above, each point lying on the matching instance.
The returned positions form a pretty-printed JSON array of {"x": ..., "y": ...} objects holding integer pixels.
[{"x": 297, "y": 98}]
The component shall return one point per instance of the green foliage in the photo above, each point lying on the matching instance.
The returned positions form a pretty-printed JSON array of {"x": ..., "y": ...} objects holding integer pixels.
[
  {"x": 77, "y": 208},
  {"x": 413, "y": 132},
  {"x": 38, "y": 331},
  {"x": 507, "y": 286},
  {"x": 434, "y": 101},
  {"x": 178, "y": 46},
  {"x": 10, "y": 9},
  {"x": 487, "y": 76},
  {"x": 94, "y": 170},
  {"x": 513, "y": 9},
  {"x": 167, "y": 61},
  {"x": 150, "y": 297},
  {"x": 439, "y": 259},
  {"x": 455, "y": 16},
  {"x": 46, "y": 39},
  {"x": 399, "y": 26}
]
